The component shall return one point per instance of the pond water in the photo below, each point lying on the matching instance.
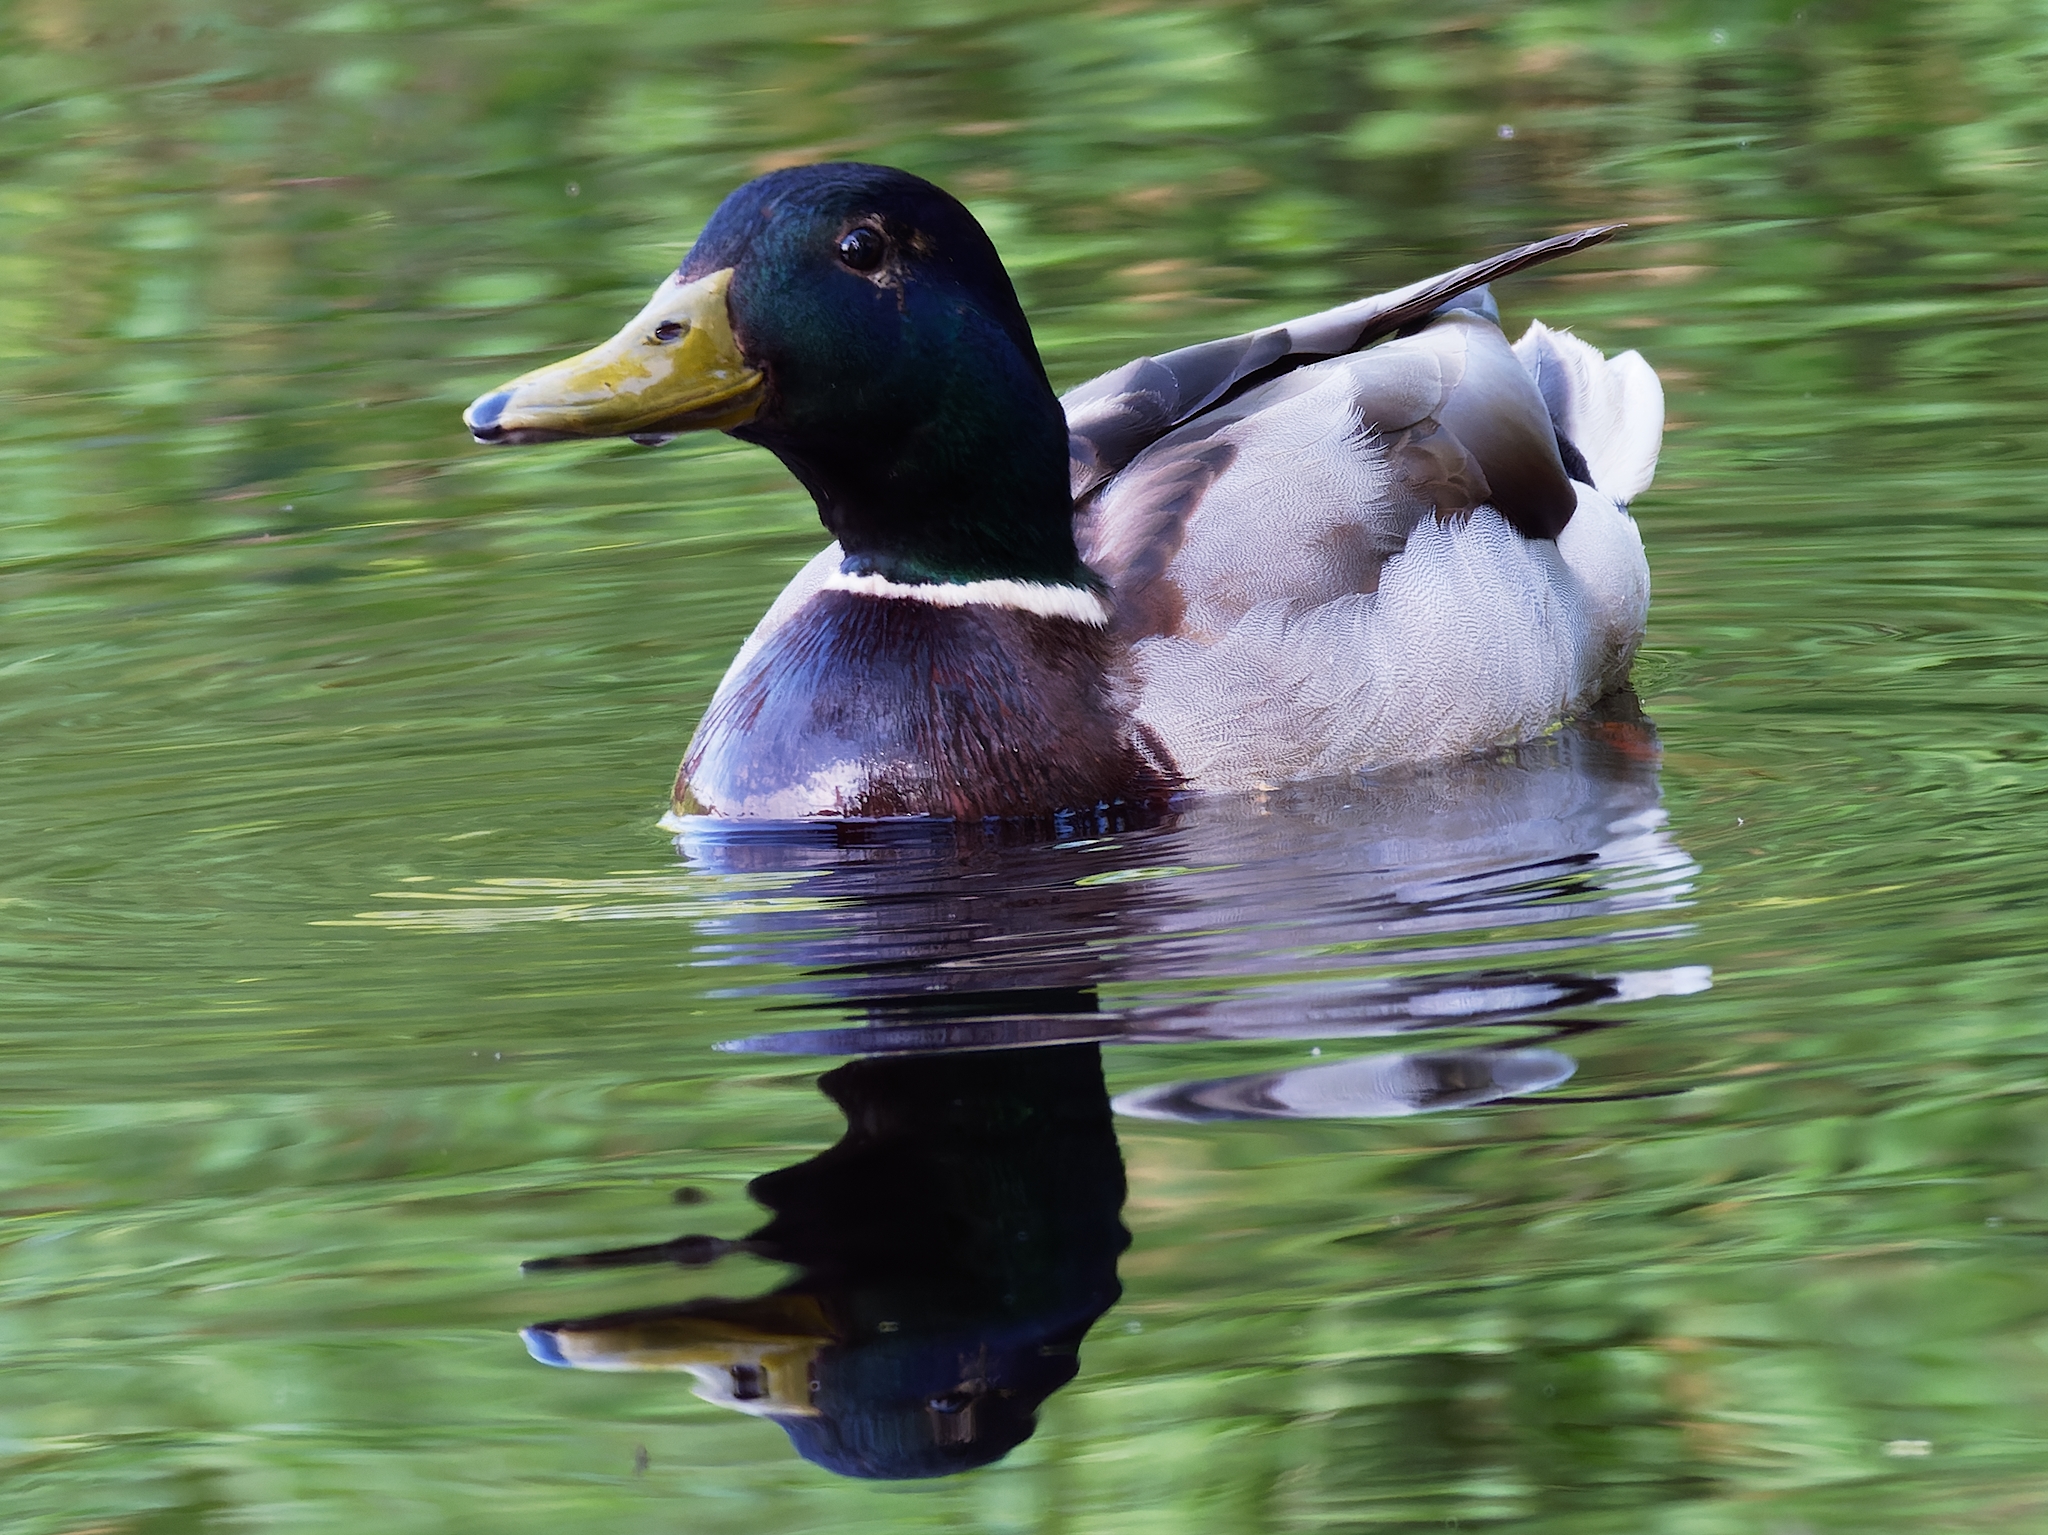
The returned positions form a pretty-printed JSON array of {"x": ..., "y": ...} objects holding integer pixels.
[{"x": 1641, "y": 1130}]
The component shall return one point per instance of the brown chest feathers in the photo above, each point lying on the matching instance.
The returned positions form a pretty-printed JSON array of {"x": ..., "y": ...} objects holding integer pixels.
[{"x": 881, "y": 706}]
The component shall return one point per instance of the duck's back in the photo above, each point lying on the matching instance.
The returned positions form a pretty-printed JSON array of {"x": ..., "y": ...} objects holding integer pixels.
[{"x": 1384, "y": 556}]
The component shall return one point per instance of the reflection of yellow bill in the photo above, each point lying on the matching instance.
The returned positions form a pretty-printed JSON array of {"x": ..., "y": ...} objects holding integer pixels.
[
  {"x": 674, "y": 368},
  {"x": 758, "y": 1362}
]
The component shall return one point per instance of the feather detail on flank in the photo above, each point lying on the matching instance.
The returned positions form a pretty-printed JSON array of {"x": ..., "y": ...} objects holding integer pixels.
[{"x": 1046, "y": 600}]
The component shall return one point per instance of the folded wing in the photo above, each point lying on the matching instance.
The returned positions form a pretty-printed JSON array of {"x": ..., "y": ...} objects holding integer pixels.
[{"x": 1111, "y": 419}]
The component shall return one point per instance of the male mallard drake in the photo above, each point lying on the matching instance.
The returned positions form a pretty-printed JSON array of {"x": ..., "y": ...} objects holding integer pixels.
[{"x": 1274, "y": 557}]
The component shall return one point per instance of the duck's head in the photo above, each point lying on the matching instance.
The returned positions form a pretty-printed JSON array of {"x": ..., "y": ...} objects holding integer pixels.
[{"x": 856, "y": 321}]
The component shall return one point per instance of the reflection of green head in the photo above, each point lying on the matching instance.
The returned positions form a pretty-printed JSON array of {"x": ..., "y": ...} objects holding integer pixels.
[
  {"x": 908, "y": 1406},
  {"x": 954, "y": 1246}
]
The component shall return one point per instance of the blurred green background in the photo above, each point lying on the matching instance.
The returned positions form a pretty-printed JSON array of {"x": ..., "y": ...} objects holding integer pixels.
[{"x": 287, "y": 666}]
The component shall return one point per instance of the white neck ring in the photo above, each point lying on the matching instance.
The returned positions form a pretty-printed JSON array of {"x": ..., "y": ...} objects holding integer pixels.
[{"x": 1077, "y": 603}]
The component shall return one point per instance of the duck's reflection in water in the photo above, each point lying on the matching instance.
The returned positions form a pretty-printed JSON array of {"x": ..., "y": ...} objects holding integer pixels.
[
  {"x": 1473, "y": 893},
  {"x": 957, "y": 1243},
  {"x": 952, "y": 1249}
]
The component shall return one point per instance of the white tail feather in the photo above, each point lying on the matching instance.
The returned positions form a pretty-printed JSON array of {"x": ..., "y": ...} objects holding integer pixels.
[{"x": 1611, "y": 408}]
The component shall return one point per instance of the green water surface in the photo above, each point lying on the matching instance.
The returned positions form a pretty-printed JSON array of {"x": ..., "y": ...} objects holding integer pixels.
[{"x": 343, "y": 967}]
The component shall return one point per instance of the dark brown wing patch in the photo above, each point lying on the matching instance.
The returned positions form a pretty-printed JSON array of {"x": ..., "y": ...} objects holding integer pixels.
[
  {"x": 1130, "y": 536},
  {"x": 1484, "y": 435},
  {"x": 1437, "y": 467}
]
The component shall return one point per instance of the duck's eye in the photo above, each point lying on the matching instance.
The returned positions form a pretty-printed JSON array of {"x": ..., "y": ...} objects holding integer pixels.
[
  {"x": 669, "y": 330},
  {"x": 861, "y": 249}
]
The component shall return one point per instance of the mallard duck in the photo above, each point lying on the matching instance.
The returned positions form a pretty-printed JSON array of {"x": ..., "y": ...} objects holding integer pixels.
[{"x": 1285, "y": 555}]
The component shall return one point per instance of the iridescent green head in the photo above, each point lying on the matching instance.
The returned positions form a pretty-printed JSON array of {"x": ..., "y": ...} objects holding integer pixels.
[{"x": 857, "y": 322}]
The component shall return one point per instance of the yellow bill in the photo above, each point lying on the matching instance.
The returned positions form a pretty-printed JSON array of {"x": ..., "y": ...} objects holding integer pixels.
[{"x": 674, "y": 368}]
